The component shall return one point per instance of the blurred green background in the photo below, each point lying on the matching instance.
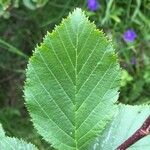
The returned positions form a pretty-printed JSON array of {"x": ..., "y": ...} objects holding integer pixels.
[{"x": 23, "y": 23}]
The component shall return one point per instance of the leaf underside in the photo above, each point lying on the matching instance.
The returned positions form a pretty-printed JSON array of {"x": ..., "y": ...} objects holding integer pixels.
[
  {"x": 126, "y": 121},
  {"x": 8, "y": 143},
  {"x": 72, "y": 83}
]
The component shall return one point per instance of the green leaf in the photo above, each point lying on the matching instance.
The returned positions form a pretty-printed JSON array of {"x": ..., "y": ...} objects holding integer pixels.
[
  {"x": 2, "y": 132},
  {"x": 33, "y": 4},
  {"x": 7, "y": 143},
  {"x": 126, "y": 121},
  {"x": 72, "y": 83}
]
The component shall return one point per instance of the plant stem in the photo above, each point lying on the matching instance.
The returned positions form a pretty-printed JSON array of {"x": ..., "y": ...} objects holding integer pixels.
[
  {"x": 13, "y": 49},
  {"x": 143, "y": 131}
]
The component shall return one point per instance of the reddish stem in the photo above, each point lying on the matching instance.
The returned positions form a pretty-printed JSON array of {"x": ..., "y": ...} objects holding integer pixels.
[{"x": 143, "y": 131}]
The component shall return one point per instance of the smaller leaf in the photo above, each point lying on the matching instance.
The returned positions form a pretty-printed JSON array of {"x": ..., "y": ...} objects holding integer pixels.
[
  {"x": 33, "y": 4},
  {"x": 126, "y": 121},
  {"x": 2, "y": 132},
  {"x": 8, "y": 143}
]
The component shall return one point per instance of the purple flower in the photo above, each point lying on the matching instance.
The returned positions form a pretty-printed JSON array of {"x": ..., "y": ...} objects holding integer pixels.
[
  {"x": 129, "y": 35},
  {"x": 92, "y": 4}
]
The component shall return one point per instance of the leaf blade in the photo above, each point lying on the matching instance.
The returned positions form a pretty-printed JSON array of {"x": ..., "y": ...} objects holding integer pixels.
[{"x": 72, "y": 78}]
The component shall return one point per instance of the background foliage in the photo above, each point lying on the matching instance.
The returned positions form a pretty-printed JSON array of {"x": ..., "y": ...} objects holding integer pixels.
[{"x": 24, "y": 23}]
